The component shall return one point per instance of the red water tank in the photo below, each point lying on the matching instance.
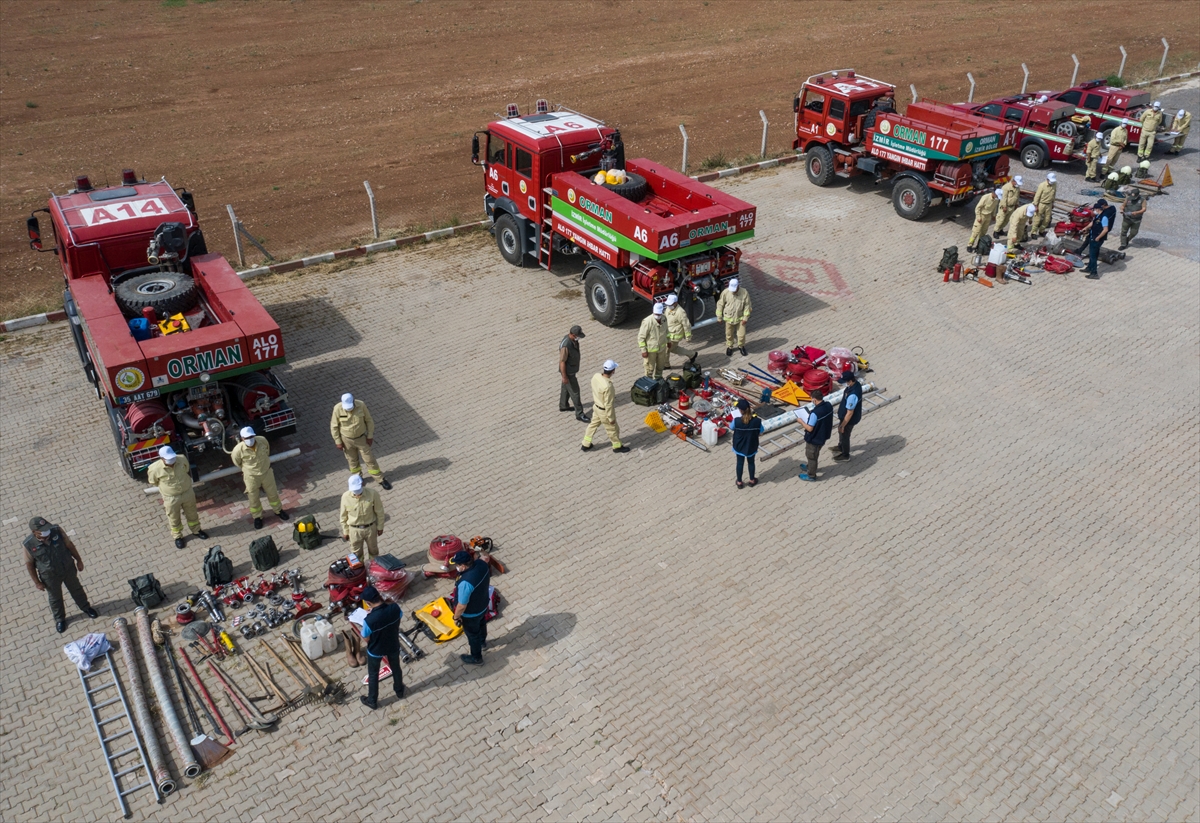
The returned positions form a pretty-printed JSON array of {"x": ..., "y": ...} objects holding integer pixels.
[{"x": 817, "y": 379}]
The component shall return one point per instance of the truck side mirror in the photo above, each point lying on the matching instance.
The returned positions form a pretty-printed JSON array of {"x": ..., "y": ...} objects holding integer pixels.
[
  {"x": 475, "y": 149},
  {"x": 35, "y": 233},
  {"x": 188, "y": 200},
  {"x": 796, "y": 103}
]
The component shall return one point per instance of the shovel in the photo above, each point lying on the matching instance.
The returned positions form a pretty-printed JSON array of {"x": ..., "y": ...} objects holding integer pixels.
[{"x": 208, "y": 751}]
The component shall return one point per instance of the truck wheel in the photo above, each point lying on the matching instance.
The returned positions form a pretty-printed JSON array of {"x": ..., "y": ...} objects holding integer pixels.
[
  {"x": 911, "y": 198},
  {"x": 602, "y": 298},
  {"x": 167, "y": 292},
  {"x": 1067, "y": 128},
  {"x": 634, "y": 187},
  {"x": 819, "y": 166},
  {"x": 1033, "y": 156},
  {"x": 508, "y": 240}
]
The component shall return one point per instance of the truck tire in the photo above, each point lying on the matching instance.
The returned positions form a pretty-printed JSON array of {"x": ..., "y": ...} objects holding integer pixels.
[
  {"x": 167, "y": 292},
  {"x": 509, "y": 240},
  {"x": 1067, "y": 128},
  {"x": 602, "y": 298},
  {"x": 910, "y": 198},
  {"x": 634, "y": 188},
  {"x": 1033, "y": 155},
  {"x": 819, "y": 166}
]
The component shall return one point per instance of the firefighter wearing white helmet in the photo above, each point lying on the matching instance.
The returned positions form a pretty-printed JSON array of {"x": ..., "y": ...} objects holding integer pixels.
[
  {"x": 253, "y": 456},
  {"x": 652, "y": 341},
  {"x": 361, "y": 517},
  {"x": 1043, "y": 201},
  {"x": 604, "y": 409},
  {"x": 1181, "y": 124},
  {"x": 733, "y": 309},
  {"x": 985, "y": 213},
  {"x": 1017, "y": 225},
  {"x": 172, "y": 475},
  {"x": 1117, "y": 141},
  {"x": 1092, "y": 154},
  {"x": 353, "y": 433},
  {"x": 1151, "y": 120},
  {"x": 1010, "y": 198},
  {"x": 679, "y": 329}
]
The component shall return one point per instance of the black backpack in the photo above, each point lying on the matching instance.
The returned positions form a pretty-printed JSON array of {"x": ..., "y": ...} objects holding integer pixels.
[
  {"x": 307, "y": 532},
  {"x": 218, "y": 568},
  {"x": 949, "y": 258},
  {"x": 146, "y": 591},
  {"x": 693, "y": 378},
  {"x": 263, "y": 553},
  {"x": 648, "y": 391}
]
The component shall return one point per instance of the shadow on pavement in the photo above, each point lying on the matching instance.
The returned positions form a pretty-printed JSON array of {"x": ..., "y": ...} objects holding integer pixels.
[
  {"x": 314, "y": 326},
  {"x": 863, "y": 457}
]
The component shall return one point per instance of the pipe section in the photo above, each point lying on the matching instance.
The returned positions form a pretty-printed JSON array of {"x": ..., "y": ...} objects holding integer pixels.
[
  {"x": 158, "y": 767},
  {"x": 191, "y": 768}
]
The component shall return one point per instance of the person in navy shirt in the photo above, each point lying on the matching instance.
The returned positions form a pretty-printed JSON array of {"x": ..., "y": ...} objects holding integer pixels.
[
  {"x": 746, "y": 429},
  {"x": 381, "y": 630},
  {"x": 849, "y": 413},
  {"x": 1103, "y": 216},
  {"x": 818, "y": 425},
  {"x": 471, "y": 602}
]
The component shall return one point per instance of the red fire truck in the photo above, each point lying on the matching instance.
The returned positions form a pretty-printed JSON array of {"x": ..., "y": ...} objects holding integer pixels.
[
  {"x": 931, "y": 153},
  {"x": 174, "y": 344},
  {"x": 644, "y": 233},
  {"x": 1102, "y": 108},
  {"x": 1038, "y": 124}
]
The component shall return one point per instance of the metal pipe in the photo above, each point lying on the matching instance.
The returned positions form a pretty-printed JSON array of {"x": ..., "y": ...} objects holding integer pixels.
[
  {"x": 789, "y": 417},
  {"x": 1162, "y": 65},
  {"x": 374, "y": 216},
  {"x": 228, "y": 471},
  {"x": 1025, "y": 82},
  {"x": 913, "y": 88},
  {"x": 237, "y": 238},
  {"x": 763, "y": 115},
  {"x": 683, "y": 131},
  {"x": 971, "y": 93},
  {"x": 166, "y": 708},
  {"x": 1075, "y": 73},
  {"x": 1121, "y": 71},
  {"x": 158, "y": 766}
]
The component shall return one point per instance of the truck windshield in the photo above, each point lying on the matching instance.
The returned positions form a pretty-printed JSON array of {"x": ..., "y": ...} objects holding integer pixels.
[
  {"x": 496, "y": 151},
  {"x": 814, "y": 102}
]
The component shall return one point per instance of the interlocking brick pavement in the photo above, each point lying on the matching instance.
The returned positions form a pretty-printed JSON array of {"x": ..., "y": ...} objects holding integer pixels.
[{"x": 990, "y": 612}]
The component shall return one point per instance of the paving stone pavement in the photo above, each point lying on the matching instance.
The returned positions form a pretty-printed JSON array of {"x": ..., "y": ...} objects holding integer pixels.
[{"x": 989, "y": 613}]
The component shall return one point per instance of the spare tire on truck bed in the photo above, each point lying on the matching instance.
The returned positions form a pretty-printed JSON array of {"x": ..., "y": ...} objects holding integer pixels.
[
  {"x": 167, "y": 292},
  {"x": 634, "y": 188}
]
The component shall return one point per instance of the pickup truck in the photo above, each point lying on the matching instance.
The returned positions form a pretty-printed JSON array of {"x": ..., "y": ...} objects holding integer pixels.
[
  {"x": 1041, "y": 141},
  {"x": 1102, "y": 108}
]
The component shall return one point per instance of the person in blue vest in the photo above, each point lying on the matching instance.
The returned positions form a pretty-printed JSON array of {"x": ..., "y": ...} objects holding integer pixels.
[
  {"x": 746, "y": 429},
  {"x": 849, "y": 413},
  {"x": 818, "y": 425},
  {"x": 381, "y": 630},
  {"x": 1103, "y": 216},
  {"x": 471, "y": 602}
]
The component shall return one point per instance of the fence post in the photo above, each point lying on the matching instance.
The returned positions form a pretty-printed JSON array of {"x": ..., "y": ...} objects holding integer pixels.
[
  {"x": 1075, "y": 73},
  {"x": 1162, "y": 65},
  {"x": 971, "y": 93},
  {"x": 913, "y": 88},
  {"x": 1025, "y": 82},
  {"x": 1121, "y": 71},
  {"x": 683, "y": 131},
  {"x": 763, "y": 115},
  {"x": 374, "y": 216},
  {"x": 237, "y": 238}
]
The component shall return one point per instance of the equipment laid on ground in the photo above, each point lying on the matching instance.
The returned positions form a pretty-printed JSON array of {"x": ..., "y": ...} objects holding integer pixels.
[
  {"x": 649, "y": 391},
  {"x": 133, "y": 256},
  {"x": 307, "y": 533},
  {"x": 208, "y": 751},
  {"x": 166, "y": 708},
  {"x": 146, "y": 591},
  {"x": 438, "y": 619},
  {"x": 208, "y": 701},
  {"x": 389, "y": 577},
  {"x": 218, "y": 568},
  {"x": 657, "y": 233},
  {"x": 872, "y": 398},
  {"x": 263, "y": 553}
]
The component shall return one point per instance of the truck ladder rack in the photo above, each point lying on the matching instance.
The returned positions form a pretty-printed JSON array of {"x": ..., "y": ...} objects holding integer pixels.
[
  {"x": 546, "y": 235},
  {"x": 784, "y": 440}
]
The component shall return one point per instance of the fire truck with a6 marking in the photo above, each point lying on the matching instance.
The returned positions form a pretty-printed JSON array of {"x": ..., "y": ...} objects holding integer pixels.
[
  {"x": 557, "y": 183},
  {"x": 174, "y": 344}
]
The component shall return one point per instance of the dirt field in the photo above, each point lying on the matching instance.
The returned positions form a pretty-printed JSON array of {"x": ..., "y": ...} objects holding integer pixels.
[{"x": 283, "y": 109}]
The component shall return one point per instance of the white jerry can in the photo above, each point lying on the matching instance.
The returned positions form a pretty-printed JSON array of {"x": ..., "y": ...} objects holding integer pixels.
[
  {"x": 310, "y": 640},
  {"x": 329, "y": 638}
]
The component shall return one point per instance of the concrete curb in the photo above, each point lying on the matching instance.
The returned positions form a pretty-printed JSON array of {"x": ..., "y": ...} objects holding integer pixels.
[
  {"x": 33, "y": 320},
  {"x": 1159, "y": 81},
  {"x": 764, "y": 164}
]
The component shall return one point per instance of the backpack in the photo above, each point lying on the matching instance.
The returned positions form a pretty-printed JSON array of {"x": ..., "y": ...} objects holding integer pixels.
[
  {"x": 307, "y": 533},
  {"x": 263, "y": 553},
  {"x": 949, "y": 258},
  {"x": 218, "y": 568},
  {"x": 648, "y": 391},
  {"x": 146, "y": 592},
  {"x": 692, "y": 376}
]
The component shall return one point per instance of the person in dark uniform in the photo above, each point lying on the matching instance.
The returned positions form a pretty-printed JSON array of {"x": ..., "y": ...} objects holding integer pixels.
[
  {"x": 568, "y": 367},
  {"x": 882, "y": 105},
  {"x": 746, "y": 429},
  {"x": 849, "y": 413},
  {"x": 471, "y": 602},
  {"x": 52, "y": 561},
  {"x": 1103, "y": 217},
  {"x": 381, "y": 630},
  {"x": 818, "y": 425}
]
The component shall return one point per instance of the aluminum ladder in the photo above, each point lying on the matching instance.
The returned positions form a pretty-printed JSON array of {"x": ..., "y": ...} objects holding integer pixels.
[
  {"x": 546, "y": 235},
  {"x": 781, "y": 441},
  {"x": 122, "y": 727}
]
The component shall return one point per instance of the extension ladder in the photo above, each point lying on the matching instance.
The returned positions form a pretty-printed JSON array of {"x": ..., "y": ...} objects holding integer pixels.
[
  {"x": 116, "y": 726},
  {"x": 784, "y": 440}
]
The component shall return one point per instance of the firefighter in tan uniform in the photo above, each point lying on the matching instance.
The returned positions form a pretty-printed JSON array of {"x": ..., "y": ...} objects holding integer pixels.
[
  {"x": 1017, "y": 225},
  {"x": 604, "y": 409},
  {"x": 253, "y": 457},
  {"x": 679, "y": 329},
  {"x": 1092, "y": 154},
  {"x": 361, "y": 516},
  {"x": 733, "y": 309},
  {"x": 173, "y": 476},
  {"x": 1151, "y": 120},
  {"x": 1182, "y": 124},
  {"x": 985, "y": 213},
  {"x": 652, "y": 340},
  {"x": 353, "y": 432},
  {"x": 1117, "y": 141},
  {"x": 1010, "y": 198},
  {"x": 1043, "y": 203}
]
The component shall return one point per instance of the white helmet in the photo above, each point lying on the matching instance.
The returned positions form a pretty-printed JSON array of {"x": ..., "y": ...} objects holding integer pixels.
[
  {"x": 610, "y": 365},
  {"x": 1126, "y": 170},
  {"x": 1051, "y": 178},
  {"x": 1030, "y": 210},
  {"x": 1018, "y": 180},
  {"x": 1112, "y": 175},
  {"x": 659, "y": 308}
]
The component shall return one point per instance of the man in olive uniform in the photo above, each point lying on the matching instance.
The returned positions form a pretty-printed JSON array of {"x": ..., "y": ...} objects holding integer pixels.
[
  {"x": 1010, "y": 198},
  {"x": 733, "y": 309},
  {"x": 253, "y": 457},
  {"x": 1043, "y": 203},
  {"x": 985, "y": 212},
  {"x": 568, "y": 368},
  {"x": 1093, "y": 153},
  {"x": 1117, "y": 141},
  {"x": 1131, "y": 216},
  {"x": 679, "y": 329},
  {"x": 604, "y": 409},
  {"x": 173, "y": 476},
  {"x": 1017, "y": 225},
  {"x": 1182, "y": 124},
  {"x": 53, "y": 561},
  {"x": 652, "y": 340},
  {"x": 361, "y": 516},
  {"x": 1151, "y": 119},
  {"x": 353, "y": 433}
]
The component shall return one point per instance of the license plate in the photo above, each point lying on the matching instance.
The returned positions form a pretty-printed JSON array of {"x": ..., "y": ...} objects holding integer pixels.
[{"x": 134, "y": 398}]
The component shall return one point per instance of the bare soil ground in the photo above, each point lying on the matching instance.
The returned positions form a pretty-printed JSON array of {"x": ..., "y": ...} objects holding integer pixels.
[{"x": 283, "y": 109}]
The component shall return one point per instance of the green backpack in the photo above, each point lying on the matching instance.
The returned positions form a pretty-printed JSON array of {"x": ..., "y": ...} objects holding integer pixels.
[{"x": 307, "y": 533}]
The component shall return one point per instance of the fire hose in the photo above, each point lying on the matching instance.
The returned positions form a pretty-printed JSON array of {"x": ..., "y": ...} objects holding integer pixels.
[
  {"x": 160, "y": 774},
  {"x": 166, "y": 708}
]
